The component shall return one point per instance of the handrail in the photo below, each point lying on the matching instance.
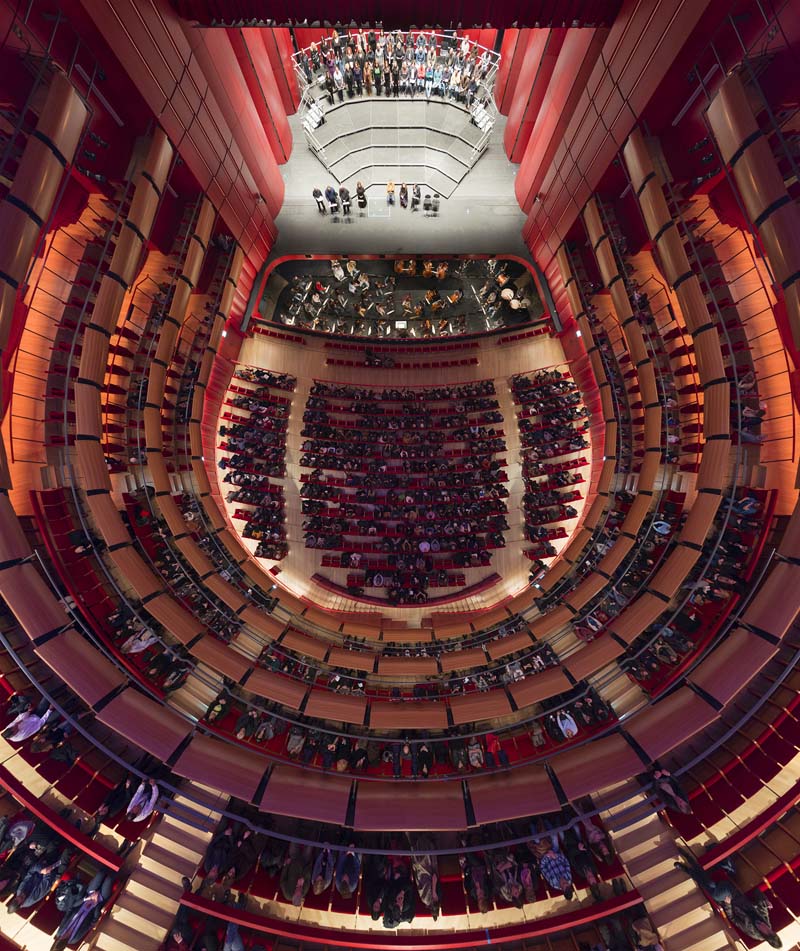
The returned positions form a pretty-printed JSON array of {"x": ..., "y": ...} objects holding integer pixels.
[
  {"x": 299, "y": 932},
  {"x": 327, "y": 41}
]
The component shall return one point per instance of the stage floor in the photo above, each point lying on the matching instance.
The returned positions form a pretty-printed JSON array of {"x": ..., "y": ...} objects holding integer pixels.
[{"x": 481, "y": 217}]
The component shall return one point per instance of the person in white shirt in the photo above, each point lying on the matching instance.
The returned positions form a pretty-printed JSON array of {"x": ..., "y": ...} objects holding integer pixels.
[
  {"x": 455, "y": 83},
  {"x": 143, "y": 801},
  {"x": 139, "y": 642},
  {"x": 567, "y": 725},
  {"x": 26, "y": 725}
]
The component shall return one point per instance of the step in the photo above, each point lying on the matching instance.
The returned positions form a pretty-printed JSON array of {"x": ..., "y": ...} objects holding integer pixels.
[
  {"x": 635, "y": 817},
  {"x": 193, "y": 693},
  {"x": 163, "y": 861},
  {"x": 203, "y": 797},
  {"x": 193, "y": 817},
  {"x": 664, "y": 889},
  {"x": 655, "y": 862},
  {"x": 708, "y": 935},
  {"x": 132, "y": 905},
  {"x": 679, "y": 915},
  {"x": 375, "y": 177},
  {"x": 180, "y": 838},
  {"x": 458, "y": 143},
  {"x": 452, "y": 165},
  {"x": 154, "y": 888},
  {"x": 141, "y": 915},
  {"x": 116, "y": 936},
  {"x": 634, "y": 842}
]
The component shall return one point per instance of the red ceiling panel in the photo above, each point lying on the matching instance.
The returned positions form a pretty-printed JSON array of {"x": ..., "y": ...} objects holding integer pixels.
[
  {"x": 400, "y": 14},
  {"x": 530, "y": 56},
  {"x": 257, "y": 72},
  {"x": 280, "y": 48},
  {"x": 216, "y": 57},
  {"x": 515, "y": 56},
  {"x": 541, "y": 55}
]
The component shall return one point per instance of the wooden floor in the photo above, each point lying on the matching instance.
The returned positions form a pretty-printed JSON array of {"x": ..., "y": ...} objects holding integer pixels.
[{"x": 496, "y": 362}]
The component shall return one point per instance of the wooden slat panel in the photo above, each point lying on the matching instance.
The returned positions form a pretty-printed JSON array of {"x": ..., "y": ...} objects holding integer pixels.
[
  {"x": 593, "y": 657},
  {"x": 539, "y": 686},
  {"x": 523, "y": 792},
  {"x": 407, "y": 666},
  {"x": 465, "y": 659},
  {"x": 605, "y": 762},
  {"x": 722, "y": 674},
  {"x": 145, "y": 722},
  {"x": 221, "y": 766},
  {"x": 304, "y": 644},
  {"x": 433, "y": 807},
  {"x": 351, "y": 660},
  {"x": 31, "y": 600},
  {"x": 409, "y": 714},
  {"x": 319, "y": 798},
  {"x": 334, "y": 706},
  {"x": 480, "y": 706},
  {"x": 674, "y": 720},
  {"x": 82, "y": 668},
  {"x": 288, "y": 693},
  {"x": 221, "y": 658}
]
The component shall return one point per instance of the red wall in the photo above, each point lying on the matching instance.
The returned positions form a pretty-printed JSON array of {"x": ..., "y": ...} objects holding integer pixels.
[
  {"x": 151, "y": 44},
  {"x": 636, "y": 57},
  {"x": 539, "y": 61},
  {"x": 218, "y": 61},
  {"x": 279, "y": 46},
  {"x": 256, "y": 68},
  {"x": 512, "y": 54},
  {"x": 574, "y": 63}
]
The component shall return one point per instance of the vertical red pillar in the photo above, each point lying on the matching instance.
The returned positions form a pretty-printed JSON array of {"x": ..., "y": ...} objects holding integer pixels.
[
  {"x": 576, "y": 59},
  {"x": 257, "y": 71},
  {"x": 538, "y": 64},
  {"x": 280, "y": 48},
  {"x": 512, "y": 54},
  {"x": 217, "y": 60}
]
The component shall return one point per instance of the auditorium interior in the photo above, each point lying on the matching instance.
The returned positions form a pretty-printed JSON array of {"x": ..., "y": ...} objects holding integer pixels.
[{"x": 399, "y": 496}]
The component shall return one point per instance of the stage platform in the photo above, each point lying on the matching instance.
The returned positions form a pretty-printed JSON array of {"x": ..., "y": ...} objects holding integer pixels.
[
  {"x": 481, "y": 215},
  {"x": 379, "y": 139}
]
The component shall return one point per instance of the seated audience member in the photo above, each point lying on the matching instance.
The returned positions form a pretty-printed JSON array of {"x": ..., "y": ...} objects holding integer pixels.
[
  {"x": 82, "y": 911},
  {"x": 143, "y": 801},
  {"x": 751, "y": 917},
  {"x": 296, "y": 874}
]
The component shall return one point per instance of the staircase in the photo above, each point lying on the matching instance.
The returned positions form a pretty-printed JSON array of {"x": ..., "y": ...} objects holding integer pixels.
[
  {"x": 647, "y": 848},
  {"x": 145, "y": 909}
]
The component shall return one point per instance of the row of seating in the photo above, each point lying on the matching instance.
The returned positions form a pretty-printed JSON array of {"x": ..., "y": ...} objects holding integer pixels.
[
  {"x": 279, "y": 335},
  {"x": 259, "y": 433},
  {"x": 403, "y": 348},
  {"x": 400, "y": 365}
]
